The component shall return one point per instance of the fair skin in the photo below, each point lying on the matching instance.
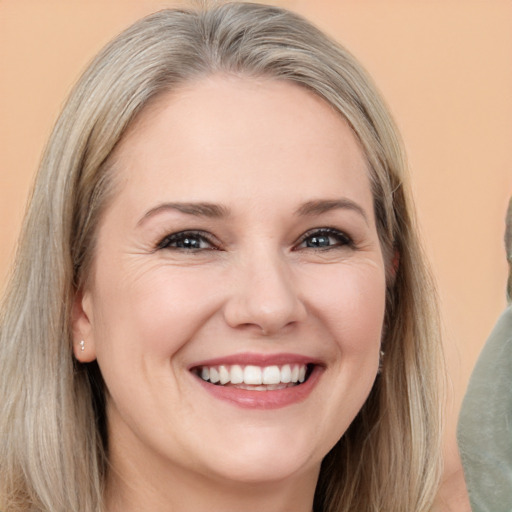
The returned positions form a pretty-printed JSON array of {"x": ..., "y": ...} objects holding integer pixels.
[{"x": 279, "y": 270}]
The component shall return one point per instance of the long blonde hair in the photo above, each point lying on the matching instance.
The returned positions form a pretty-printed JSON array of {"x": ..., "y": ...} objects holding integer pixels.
[{"x": 53, "y": 448}]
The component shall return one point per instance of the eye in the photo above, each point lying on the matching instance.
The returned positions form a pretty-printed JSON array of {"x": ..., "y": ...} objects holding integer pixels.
[
  {"x": 325, "y": 238},
  {"x": 187, "y": 241}
]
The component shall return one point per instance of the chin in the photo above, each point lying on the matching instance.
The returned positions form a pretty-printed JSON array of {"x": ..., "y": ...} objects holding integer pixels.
[
  {"x": 269, "y": 457},
  {"x": 264, "y": 472}
]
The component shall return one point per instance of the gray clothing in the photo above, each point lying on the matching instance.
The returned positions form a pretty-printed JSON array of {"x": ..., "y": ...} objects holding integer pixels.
[{"x": 485, "y": 423}]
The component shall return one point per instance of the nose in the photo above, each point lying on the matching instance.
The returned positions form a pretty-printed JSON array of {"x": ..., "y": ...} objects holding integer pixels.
[{"x": 264, "y": 296}]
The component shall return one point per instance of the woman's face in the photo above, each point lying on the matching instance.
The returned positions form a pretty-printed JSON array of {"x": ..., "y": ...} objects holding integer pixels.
[{"x": 236, "y": 301}]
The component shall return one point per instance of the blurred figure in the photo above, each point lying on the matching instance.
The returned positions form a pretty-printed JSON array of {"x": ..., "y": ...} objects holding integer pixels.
[
  {"x": 508, "y": 247},
  {"x": 485, "y": 422}
]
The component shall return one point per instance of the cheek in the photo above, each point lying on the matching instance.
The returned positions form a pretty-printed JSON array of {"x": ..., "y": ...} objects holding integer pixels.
[
  {"x": 142, "y": 323},
  {"x": 154, "y": 313},
  {"x": 351, "y": 304}
]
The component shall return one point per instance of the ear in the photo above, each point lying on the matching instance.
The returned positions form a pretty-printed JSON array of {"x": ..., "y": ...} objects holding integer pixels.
[{"x": 83, "y": 335}]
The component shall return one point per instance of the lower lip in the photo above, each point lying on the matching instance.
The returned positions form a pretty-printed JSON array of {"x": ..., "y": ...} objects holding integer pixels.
[{"x": 273, "y": 399}]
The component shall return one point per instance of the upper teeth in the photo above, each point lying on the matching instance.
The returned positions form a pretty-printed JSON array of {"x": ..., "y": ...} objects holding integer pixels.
[{"x": 254, "y": 375}]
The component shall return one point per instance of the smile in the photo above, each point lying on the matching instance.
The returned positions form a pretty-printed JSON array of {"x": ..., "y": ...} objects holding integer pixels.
[
  {"x": 258, "y": 381},
  {"x": 255, "y": 378}
]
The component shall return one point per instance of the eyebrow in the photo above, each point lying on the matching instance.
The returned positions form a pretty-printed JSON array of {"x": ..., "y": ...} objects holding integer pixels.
[
  {"x": 320, "y": 206},
  {"x": 216, "y": 211},
  {"x": 209, "y": 210}
]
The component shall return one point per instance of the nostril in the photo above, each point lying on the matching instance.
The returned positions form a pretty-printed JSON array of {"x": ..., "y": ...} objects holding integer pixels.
[
  {"x": 266, "y": 316},
  {"x": 263, "y": 294}
]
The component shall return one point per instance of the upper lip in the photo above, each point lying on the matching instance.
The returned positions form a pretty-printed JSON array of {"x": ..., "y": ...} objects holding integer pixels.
[{"x": 255, "y": 359}]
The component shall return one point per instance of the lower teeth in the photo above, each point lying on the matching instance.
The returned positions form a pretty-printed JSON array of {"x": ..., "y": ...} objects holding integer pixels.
[{"x": 262, "y": 387}]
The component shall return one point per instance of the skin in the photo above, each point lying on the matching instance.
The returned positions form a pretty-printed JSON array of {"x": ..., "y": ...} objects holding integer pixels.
[{"x": 260, "y": 150}]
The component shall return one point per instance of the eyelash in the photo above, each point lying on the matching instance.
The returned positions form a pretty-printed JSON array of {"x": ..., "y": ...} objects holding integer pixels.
[
  {"x": 341, "y": 238},
  {"x": 181, "y": 236}
]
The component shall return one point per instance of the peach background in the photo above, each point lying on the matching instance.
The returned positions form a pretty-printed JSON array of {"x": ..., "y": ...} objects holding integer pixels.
[{"x": 445, "y": 68}]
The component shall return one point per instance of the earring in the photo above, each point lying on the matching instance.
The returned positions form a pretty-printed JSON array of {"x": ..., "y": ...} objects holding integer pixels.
[
  {"x": 381, "y": 361},
  {"x": 82, "y": 345}
]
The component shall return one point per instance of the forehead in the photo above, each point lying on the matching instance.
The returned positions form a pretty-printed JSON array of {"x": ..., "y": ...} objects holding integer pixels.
[{"x": 258, "y": 134}]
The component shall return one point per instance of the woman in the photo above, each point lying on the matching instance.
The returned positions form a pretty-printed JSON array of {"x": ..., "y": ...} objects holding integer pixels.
[{"x": 219, "y": 299}]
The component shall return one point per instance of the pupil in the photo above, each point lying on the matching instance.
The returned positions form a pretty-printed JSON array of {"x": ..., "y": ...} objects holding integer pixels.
[
  {"x": 188, "y": 243},
  {"x": 318, "y": 241}
]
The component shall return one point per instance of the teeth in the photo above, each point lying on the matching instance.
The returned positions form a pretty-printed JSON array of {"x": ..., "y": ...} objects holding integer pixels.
[
  {"x": 263, "y": 387},
  {"x": 255, "y": 377},
  {"x": 224, "y": 375},
  {"x": 252, "y": 375},
  {"x": 271, "y": 375},
  {"x": 214, "y": 375},
  {"x": 237, "y": 374},
  {"x": 286, "y": 373}
]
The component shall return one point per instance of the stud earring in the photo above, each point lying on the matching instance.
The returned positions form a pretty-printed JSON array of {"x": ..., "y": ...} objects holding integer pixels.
[{"x": 82, "y": 345}]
